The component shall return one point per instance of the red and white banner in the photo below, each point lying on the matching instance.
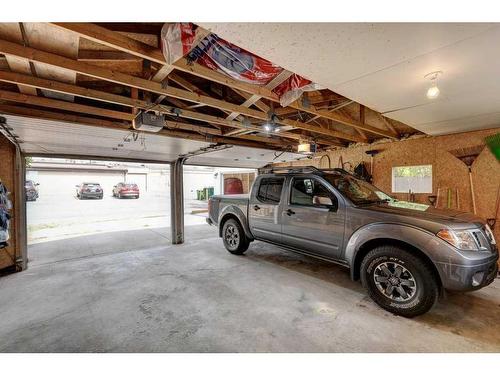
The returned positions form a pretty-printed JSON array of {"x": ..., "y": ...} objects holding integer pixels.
[{"x": 186, "y": 39}]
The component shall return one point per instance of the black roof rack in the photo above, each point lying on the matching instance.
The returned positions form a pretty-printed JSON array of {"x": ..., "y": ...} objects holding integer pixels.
[{"x": 305, "y": 169}]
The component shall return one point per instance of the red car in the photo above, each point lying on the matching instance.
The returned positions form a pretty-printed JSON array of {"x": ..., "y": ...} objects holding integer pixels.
[{"x": 126, "y": 190}]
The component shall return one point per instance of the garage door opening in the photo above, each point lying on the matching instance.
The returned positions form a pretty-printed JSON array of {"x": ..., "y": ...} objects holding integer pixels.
[{"x": 79, "y": 208}]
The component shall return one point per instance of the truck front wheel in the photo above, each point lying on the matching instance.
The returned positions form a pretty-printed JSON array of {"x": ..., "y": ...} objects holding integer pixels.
[
  {"x": 399, "y": 281},
  {"x": 234, "y": 238}
]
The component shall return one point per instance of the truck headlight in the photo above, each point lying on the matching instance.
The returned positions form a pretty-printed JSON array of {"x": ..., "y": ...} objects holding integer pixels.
[{"x": 461, "y": 239}]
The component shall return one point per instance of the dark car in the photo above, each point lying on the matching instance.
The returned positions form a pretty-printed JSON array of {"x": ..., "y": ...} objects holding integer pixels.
[
  {"x": 89, "y": 190},
  {"x": 126, "y": 190},
  {"x": 31, "y": 190}
]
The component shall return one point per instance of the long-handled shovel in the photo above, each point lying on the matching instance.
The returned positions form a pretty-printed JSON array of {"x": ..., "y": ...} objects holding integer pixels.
[{"x": 467, "y": 156}]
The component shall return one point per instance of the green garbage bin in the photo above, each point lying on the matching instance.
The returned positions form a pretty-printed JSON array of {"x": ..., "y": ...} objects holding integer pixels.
[{"x": 209, "y": 192}]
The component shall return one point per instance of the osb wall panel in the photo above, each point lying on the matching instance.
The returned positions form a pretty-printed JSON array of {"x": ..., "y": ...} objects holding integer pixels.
[
  {"x": 448, "y": 171},
  {"x": 7, "y": 175}
]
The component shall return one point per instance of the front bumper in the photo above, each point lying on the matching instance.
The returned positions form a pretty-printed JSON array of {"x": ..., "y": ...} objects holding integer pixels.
[{"x": 468, "y": 277}]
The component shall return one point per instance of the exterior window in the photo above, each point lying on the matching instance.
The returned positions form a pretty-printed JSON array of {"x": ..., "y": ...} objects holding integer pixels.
[
  {"x": 417, "y": 178},
  {"x": 270, "y": 190},
  {"x": 310, "y": 192}
]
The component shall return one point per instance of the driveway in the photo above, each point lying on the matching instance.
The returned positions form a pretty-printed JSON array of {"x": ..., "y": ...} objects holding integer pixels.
[{"x": 55, "y": 217}]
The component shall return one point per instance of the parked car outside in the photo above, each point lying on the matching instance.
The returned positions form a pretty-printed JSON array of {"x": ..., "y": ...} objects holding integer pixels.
[
  {"x": 31, "y": 190},
  {"x": 89, "y": 190},
  {"x": 406, "y": 254},
  {"x": 126, "y": 190}
]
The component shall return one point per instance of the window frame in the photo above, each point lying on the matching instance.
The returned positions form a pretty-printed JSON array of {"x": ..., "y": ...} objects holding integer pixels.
[
  {"x": 268, "y": 201},
  {"x": 317, "y": 180},
  {"x": 428, "y": 191}
]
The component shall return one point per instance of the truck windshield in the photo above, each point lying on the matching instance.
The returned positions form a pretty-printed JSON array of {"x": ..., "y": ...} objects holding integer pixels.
[{"x": 358, "y": 191}]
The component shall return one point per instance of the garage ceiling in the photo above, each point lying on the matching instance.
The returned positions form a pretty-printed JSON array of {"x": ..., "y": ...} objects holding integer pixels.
[
  {"x": 383, "y": 65},
  {"x": 39, "y": 136}
]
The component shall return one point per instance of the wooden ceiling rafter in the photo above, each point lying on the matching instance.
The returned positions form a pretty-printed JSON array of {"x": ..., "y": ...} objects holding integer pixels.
[
  {"x": 102, "y": 96},
  {"x": 118, "y": 41},
  {"x": 155, "y": 87},
  {"x": 63, "y": 105}
]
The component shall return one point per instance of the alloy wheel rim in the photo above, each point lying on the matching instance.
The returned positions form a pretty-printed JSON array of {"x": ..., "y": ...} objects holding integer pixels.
[
  {"x": 394, "y": 281},
  {"x": 232, "y": 236}
]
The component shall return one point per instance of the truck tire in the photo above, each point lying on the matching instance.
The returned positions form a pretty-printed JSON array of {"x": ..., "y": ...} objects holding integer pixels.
[
  {"x": 234, "y": 238},
  {"x": 399, "y": 281}
]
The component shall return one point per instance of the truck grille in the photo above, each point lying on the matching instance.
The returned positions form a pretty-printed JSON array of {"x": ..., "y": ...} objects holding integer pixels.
[{"x": 482, "y": 239}]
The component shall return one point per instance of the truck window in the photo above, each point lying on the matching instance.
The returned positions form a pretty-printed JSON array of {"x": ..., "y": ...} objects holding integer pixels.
[
  {"x": 270, "y": 190},
  {"x": 309, "y": 192}
]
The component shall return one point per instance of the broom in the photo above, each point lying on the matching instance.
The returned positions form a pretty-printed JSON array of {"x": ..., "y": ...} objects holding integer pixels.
[{"x": 467, "y": 156}]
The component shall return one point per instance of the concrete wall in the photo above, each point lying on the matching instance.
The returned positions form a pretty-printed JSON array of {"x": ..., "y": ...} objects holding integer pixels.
[
  {"x": 448, "y": 171},
  {"x": 8, "y": 177}
]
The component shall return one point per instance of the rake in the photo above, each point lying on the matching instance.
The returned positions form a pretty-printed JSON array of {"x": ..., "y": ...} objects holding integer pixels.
[{"x": 467, "y": 156}]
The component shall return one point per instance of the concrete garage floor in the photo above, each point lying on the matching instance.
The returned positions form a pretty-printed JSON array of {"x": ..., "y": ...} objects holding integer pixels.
[{"x": 134, "y": 292}]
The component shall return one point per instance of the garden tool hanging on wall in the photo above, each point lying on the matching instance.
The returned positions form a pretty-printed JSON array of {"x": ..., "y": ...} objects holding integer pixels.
[{"x": 467, "y": 156}]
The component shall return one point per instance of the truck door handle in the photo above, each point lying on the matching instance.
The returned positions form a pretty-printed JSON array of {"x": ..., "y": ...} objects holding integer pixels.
[
  {"x": 256, "y": 208},
  {"x": 289, "y": 212}
]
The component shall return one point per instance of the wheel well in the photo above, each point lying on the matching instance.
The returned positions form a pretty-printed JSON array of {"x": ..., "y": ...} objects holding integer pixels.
[
  {"x": 369, "y": 245},
  {"x": 226, "y": 218}
]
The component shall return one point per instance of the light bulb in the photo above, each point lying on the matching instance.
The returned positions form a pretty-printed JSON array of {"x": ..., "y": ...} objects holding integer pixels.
[
  {"x": 433, "y": 92},
  {"x": 267, "y": 127}
]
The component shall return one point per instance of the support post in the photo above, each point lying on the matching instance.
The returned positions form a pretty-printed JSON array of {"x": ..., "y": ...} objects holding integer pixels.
[
  {"x": 177, "y": 201},
  {"x": 20, "y": 211}
]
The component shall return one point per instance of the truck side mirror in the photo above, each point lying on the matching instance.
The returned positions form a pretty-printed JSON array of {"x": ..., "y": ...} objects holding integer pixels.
[{"x": 325, "y": 202}]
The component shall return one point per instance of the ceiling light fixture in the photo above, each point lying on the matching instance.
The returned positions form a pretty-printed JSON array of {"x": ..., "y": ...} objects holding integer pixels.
[
  {"x": 270, "y": 126},
  {"x": 433, "y": 91}
]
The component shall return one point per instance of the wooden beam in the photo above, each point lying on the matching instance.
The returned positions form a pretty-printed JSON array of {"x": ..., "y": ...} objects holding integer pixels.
[
  {"x": 93, "y": 55},
  {"x": 276, "y": 81},
  {"x": 342, "y": 119},
  {"x": 63, "y": 105},
  {"x": 67, "y": 88},
  {"x": 116, "y": 40},
  {"x": 89, "y": 121},
  {"x": 162, "y": 73},
  {"x": 121, "y": 42},
  {"x": 259, "y": 104},
  {"x": 388, "y": 124},
  {"x": 65, "y": 117},
  {"x": 143, "y": 84},
  {"x": 195, "y": 128},
  {"x": 336, "y": 108}
]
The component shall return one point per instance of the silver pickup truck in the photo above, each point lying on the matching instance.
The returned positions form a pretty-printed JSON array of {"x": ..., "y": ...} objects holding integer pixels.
[{"x": 406, "y": 254}]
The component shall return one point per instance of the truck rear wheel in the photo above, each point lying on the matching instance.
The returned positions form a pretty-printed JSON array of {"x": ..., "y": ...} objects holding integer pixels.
[
  {"x": 398, "y": 281},
  {"x": 234, "y": 238}
]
